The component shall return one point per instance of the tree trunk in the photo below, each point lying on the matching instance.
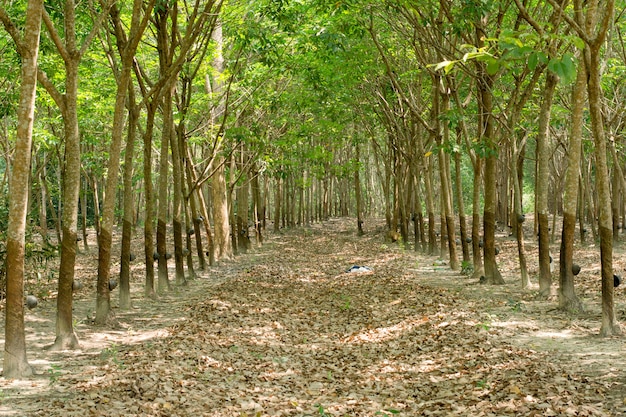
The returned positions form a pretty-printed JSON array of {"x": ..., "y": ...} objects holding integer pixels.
[
  {"x": 430, "y": 207},
  {"x": 257, "y": 207},
  {"x": 52, "y": 208},
  {"x": 83, "y": 201},
  {"x": 461, "y": 204},
  {"x": 541, "y": 191},
  {"x": 43, "y": 212},
  {"x": 203, "y": 212},
  {"x": 477, "y": 258},
  {"x": 594, "y": 91},
  {"x": 148, "y": 231},
  {"x": 65, "y": 336},
  {"x": 277, "y": 204},
  {"x": 418, "y": 218},
  {"x": 96, "y": 205},
  {"x": 223, "y": 245},
  {"x": 103, "y": 297},
  {"x": 233, "y": 205},
  {"x": 243, "y": 197},
  {"x": 357, "y": 191},
  {"x": 519, "y": 217},
  {"x": 492, "y": 273},
  {"x": 177, "y": 201},
  {"x": 222, "y": 242},
  {"x": 196, "y": 217},
  {"x": 15, "y": 362},
  {"x": 568, "y": 300},
  {"x": 187, "y": 252},
  {"x": 446, "y": 187},
  {"x": 127, "y": 224},
  {"x": 162, "y": 255},
  {"x": 127, "y": 52}
]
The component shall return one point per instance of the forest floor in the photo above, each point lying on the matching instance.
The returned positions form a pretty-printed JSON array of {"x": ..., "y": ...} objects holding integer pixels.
[{"x": 284, "y": 330}]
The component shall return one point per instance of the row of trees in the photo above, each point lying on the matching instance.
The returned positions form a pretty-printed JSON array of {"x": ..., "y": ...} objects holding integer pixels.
[{"x": 296, "y": 111}]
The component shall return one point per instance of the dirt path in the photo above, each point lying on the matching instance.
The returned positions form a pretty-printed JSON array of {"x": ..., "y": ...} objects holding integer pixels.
[{"x": 284, "y": 330}]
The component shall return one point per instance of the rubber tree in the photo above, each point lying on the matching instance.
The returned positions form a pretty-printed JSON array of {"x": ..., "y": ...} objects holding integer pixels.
[
  {"x": 175, "y": 40},
  {"x": 486, "y": 81},
  {"x": 568, "y": 300},
  {"x": 223, "y": 244},
  {"x": 139, "y": 21},
  {"x": 122, "y": 43},
  {"x": 592, "y": 28},
  {"x": 71, "y": 53},
  {"x": 541, "y": 191},
  {"x": 15, "y": 363}
]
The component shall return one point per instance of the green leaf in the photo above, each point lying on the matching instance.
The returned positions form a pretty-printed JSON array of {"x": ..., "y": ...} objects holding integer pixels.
[
  {"x": 480, "y": 55},
  {"x": 533, "y": 60},
  {"x": 569, "y": 66},
  {"x": 555, "y": 66},
  {"x": 493, "y": 66},
  {"x": 564, "y": 67},
  {"x": 579, "y": 43},
  {"x": 446, "y": 65}
]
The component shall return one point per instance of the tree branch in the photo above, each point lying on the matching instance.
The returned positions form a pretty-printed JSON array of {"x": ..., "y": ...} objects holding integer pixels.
[{"x": 56, "y": 39}]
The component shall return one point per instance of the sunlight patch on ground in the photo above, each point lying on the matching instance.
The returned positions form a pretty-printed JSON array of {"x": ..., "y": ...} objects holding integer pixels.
[
  {"x": 386, "y": 333},
  {"x": 555, "y": 335},
  {"x": 134, "y": 335},
  {"x": 263, "y": 335},
  {"x": 515, "y": 324},
  {"x": 219, "y": 304},
  {"x": 208, "y": 362},
  {"x": 142, "y": 336},
  {"x": 32, "y": 318}
]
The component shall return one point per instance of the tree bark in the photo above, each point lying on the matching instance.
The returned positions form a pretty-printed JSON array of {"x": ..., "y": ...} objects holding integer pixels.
[
  {"x": 277, "y": 204},
  {"x": 257, "y": 207},
  {"x": 83, "y": 201},
  {"x": 65, "y": 335},
  {"x": 233, "y": 204},
  {"x": 165, "y": 63},
  {"x": 243, "y": 202},
  {"x": 148, "y": 231},
  {"x": 193, "y": 205},
  {"x": 568, "y": 300},
  {"x": 162, "y": 254},
  {"x": 492, "y": 273},
  {"x": 477, "y": 259},
  {"x": 446, "y": 188},
  {"x": 594, "y": 91},
  {"x": 541, "y": 191},
  {"x": 519, "y": 216},
  {"x": 127, "y": 224},
  {"x": 461, "y": 203},
  {"x": 187, "y": 252},
  {"x": 203, "y": 216},
  {"x": 357, "y": 190},
  {"x": 43, "y": 194},
  {"x": 223, "y": 245},
  {"x": 15, "y": 363},
  {"x": 177, "y": 201}
]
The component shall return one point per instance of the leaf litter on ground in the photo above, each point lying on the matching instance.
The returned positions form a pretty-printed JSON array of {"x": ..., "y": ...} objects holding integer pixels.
[{"x": 286, "y": 331}]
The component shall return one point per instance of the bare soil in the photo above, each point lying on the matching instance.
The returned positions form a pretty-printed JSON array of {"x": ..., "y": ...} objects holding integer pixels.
[{"x": 284, "y": 330}]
